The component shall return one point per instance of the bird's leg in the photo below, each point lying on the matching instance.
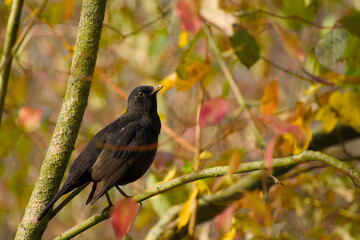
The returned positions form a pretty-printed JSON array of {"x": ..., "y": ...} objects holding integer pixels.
[
  {"x": 122, "y": 192},
  {"x": 110, "y": 203},
  {"x": 109, "y": 200}
]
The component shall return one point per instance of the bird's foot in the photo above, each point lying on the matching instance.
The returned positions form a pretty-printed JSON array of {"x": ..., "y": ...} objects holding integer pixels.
[{"x": 107, "y": 209}]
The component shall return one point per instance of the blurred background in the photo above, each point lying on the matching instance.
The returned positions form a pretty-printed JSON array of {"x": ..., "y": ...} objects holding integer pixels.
[{"x": 140, "y": 45}]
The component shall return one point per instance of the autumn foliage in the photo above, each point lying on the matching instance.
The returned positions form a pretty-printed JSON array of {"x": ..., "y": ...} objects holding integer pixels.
[{"x": 244, "y": 81}]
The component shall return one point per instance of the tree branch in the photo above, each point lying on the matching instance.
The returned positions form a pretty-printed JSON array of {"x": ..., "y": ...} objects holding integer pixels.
[
  {"x": 211, "y": 205},
  {"x": 68, "y": 124},
  {"x": 228, "y": 194},
  {"x": 7, "y": 56}
]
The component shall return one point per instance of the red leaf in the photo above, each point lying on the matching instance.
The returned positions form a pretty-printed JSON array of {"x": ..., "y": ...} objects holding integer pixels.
[
  {"x": 122, "y": 216},
  {"x": 270, "y": 152},
  {"x": 213, "y": 111},
  {"x": 188, "y": 13},
  {"x": 29, "y": 118},
  {"x": 283, "y": 127},
  {"x": 223, "y": 221}
]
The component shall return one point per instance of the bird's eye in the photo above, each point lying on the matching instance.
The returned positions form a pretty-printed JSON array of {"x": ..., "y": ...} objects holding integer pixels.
[{"x": 141, "y": 94}]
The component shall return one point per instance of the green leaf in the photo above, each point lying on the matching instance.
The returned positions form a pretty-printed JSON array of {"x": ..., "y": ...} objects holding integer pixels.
[
  {"x": 186, "y": 56},
  {"x": 9, "y": 136},
  {"x": 225, "y": 89},
  {"x": 331, "y": 47},
  {"x": 161, "y": 204},
  {"x": 352, "y": 56},
  {"x": 351, "y": 23},
  {"x": 245, "y": 46},
  {"x": 188, "y": 167},
  {"x": 299, "y": 8},
  {"x": 24, "y": 146}
]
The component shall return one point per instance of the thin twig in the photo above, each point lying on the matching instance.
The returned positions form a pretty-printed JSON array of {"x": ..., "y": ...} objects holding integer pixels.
[
  {"x": 163, "y": 13},
  {"x": 234, "y": 88},
  {"x": 295, "y": 17},
  {"x": 286, "y": 70}
]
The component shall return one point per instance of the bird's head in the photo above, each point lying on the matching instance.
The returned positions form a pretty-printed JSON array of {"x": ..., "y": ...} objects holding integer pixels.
[{"x": 143, "y": 99}]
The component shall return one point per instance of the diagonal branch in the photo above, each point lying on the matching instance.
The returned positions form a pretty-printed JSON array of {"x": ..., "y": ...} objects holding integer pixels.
[
  {"x": 7, "y": 56},
  {"x": 227, "y": 194},
  {"x": 68, "y": 124}
]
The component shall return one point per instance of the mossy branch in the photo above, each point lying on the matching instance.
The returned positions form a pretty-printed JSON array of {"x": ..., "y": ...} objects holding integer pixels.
[
  {"x": 220, "y": 171},
  {"x": 68, "y": 124},
  {"x": 6, "y": 58},
  {"x": 211, "y": 205}
]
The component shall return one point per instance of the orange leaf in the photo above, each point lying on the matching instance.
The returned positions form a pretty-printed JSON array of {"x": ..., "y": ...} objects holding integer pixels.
[
  {"x": 235, "y": 160},
  {"x": 300, "y": 134},
  {"x": 291, "y": 42},
  {"x": 122, "y": 216},
  {"x": 270, "y": 99},
  {"x": 260, "y": 211}
]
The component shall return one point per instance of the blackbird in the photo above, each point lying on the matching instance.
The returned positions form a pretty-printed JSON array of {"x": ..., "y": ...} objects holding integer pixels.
[{"x": 121, "y": 152}]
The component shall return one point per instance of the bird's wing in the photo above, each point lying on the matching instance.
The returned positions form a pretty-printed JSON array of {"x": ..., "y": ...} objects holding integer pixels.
[
  {"x": 117, "y": 148},
  {"x": 113, "y": 162}
]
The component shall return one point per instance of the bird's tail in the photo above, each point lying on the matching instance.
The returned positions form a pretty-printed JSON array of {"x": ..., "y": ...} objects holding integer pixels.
[
  {"x": 91, "y": 193},
  {"x": 65, "y": 189},
  {"x": 100, "y": 190}
]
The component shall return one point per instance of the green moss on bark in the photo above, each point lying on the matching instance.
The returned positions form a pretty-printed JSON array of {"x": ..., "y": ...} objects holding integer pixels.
[{"x": 68, "y": 124}]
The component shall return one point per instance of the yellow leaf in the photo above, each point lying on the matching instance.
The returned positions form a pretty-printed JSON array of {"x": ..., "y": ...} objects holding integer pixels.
[
  {"x": 313, "y": 88},
  {"x": 161, "y": 116},
  {"x": 170, "y": 175},
  {"x": 8, "y": 2},
  {"x": 187, "y": 209},
  {"x": 291, "y": 141},
  {"x": 347, "y": 107},
  {"x": 205, "y": 155},
  {"x": 270, "y": 99},
  {"x": 336, "y": 101},
  {"x": 230, "y": 235},
  {"x": 327, "y": 117},
  {"x": 195, "y": 72},
  {"x": 291, "y": 42},
  {"x": 335, "y": 78},
  {"x": 301, "y": 118},
  {"x": 183, "y": 39},
  {"x": 169, "y": 82},
  {"x": 203, "y": 187}
]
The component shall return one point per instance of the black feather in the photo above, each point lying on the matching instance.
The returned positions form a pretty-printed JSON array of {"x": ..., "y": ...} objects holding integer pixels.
[{"x": 121, "y": 152}]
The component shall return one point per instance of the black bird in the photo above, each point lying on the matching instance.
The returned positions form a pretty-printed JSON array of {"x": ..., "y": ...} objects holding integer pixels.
[{"x": 121, "y": 152}]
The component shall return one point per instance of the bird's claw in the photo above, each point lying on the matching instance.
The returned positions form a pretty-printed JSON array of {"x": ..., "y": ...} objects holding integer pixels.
[{"x": 107, "y": 209}]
